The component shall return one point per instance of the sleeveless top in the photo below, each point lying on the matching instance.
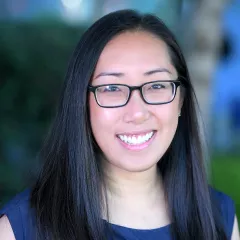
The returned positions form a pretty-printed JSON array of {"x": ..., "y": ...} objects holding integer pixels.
[{"x": 21, "y": 219}]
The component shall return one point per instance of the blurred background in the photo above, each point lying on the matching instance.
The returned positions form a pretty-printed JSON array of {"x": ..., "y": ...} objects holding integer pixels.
[{"x": 37, "y": 39}]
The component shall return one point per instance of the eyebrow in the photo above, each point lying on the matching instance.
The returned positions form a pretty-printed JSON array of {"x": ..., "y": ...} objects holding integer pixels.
[
  {"x": 157, "y": 70},
  {"x": 120, "y": 74},
  {"x": 115, "y": 74}
]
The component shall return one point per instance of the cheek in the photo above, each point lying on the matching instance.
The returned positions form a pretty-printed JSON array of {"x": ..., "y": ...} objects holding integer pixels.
[
  {"x": 166, "y": 114},
  {"x": 167, "y": 118},
  {"x": 102, "y": 120},
  {"x": 172, "y": 111}
]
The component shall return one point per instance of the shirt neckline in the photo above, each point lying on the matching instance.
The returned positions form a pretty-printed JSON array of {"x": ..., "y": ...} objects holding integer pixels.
[{"x": 163, "y": 228}]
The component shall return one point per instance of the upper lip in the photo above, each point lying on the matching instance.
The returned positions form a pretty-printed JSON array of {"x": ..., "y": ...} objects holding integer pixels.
[{"x": 137, "y": 132}]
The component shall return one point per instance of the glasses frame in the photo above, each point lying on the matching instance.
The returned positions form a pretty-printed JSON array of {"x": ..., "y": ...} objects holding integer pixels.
[{"x": 93, "y": 89}]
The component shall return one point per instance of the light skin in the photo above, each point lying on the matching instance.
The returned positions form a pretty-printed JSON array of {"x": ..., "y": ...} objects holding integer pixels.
[
  {"x": 128, "y": 55},
  {"x": 134, "y": 187}
]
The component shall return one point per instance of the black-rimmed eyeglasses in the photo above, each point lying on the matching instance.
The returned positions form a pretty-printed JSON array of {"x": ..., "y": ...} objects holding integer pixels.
[{"x": 118, "y": 95}]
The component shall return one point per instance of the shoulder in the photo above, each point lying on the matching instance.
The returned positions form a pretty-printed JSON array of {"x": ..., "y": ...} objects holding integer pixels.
[
  {"x": 226, "y": 207},
  {"x": 18, "y": 213},
  {"x": 6, "y": 231},
  {"x": 225, "y": 202}
]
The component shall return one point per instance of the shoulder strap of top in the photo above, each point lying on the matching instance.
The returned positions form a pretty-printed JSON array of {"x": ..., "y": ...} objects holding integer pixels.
[{"x": 227, "y": 210}]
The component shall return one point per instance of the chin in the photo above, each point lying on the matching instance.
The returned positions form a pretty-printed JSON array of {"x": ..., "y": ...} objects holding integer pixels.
[{"x": 134, "y": 168}]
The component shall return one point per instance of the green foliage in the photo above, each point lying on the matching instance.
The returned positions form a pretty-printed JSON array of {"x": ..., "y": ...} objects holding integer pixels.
[{"x": 33, "y": 61}]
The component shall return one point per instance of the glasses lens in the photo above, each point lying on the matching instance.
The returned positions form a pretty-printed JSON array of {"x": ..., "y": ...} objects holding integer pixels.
[
  {"x": 112, "y": 95},
  {"x": 158, "y": 92}
]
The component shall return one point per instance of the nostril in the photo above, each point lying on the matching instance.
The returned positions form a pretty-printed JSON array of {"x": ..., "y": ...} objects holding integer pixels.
[{"x": 136, "y": 116}]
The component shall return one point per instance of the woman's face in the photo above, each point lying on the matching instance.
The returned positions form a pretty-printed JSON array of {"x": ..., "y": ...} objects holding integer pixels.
[{"x": 131, "y": 55}]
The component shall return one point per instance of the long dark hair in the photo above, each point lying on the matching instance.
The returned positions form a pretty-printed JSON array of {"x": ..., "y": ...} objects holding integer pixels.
[{"x": 67, "y": 196}]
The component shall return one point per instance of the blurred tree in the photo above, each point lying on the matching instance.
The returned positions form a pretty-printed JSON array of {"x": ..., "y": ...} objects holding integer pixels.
[
  {"x": 203, "y": 50},
  {"x": 170, "y": 12},
  {"x": 32, "y": 63},
  {"x": 4, "y": 13},
  {"x": 98, "y": 9}
]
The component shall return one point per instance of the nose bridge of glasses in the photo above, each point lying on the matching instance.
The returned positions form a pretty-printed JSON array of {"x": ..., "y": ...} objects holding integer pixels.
[
  {"x": 133, "y": 91},
  {"x": 136, "y": 109}
]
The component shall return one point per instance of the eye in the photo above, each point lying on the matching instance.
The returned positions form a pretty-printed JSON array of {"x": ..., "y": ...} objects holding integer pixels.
[
  {"x": 156, "y": 86},
  {"x": 111, "y": 88}
]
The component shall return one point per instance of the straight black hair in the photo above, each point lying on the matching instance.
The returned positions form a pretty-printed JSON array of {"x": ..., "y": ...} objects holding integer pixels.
[{"x": 67, "y": 197}]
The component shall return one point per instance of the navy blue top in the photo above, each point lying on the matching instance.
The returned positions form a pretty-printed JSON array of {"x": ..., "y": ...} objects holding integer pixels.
[{"x": 21, "y": 219}]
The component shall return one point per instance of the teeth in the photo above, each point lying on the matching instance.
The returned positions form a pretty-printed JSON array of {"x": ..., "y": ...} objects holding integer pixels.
[
  {"x": 136, "y": 140},
  {"x": 145, "y": 138}
]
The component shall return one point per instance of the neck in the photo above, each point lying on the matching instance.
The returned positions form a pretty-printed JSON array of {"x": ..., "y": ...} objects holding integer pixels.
[
  {"x": 132, "y": 192},
  {"x": 123, "y": 184}
]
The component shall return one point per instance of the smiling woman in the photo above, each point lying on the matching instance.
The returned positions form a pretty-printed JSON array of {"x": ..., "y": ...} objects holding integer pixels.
[
  {"x": 123, "y": 159},
  {"x": 144, "y": 114}
]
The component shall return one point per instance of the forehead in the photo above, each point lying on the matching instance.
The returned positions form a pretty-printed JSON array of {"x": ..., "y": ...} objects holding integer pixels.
[{"x": 131, "y": 50}]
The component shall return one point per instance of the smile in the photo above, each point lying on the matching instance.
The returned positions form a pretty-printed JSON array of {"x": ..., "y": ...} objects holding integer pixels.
[{"x": 136, "y": 141}]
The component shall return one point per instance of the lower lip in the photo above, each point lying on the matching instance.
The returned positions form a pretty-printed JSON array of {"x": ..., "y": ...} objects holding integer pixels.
[{"x": 137, "y": 147}]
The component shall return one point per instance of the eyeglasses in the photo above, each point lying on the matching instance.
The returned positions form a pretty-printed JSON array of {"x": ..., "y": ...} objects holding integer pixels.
[{"x": 118, "y": 95}]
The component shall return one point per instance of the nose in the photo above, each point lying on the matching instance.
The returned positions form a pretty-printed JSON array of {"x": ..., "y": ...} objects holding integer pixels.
[{"x": 136, "y": 110}]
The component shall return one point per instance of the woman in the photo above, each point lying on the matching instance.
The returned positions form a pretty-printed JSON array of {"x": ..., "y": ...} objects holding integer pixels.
[{"x": 123, "y": 159}]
